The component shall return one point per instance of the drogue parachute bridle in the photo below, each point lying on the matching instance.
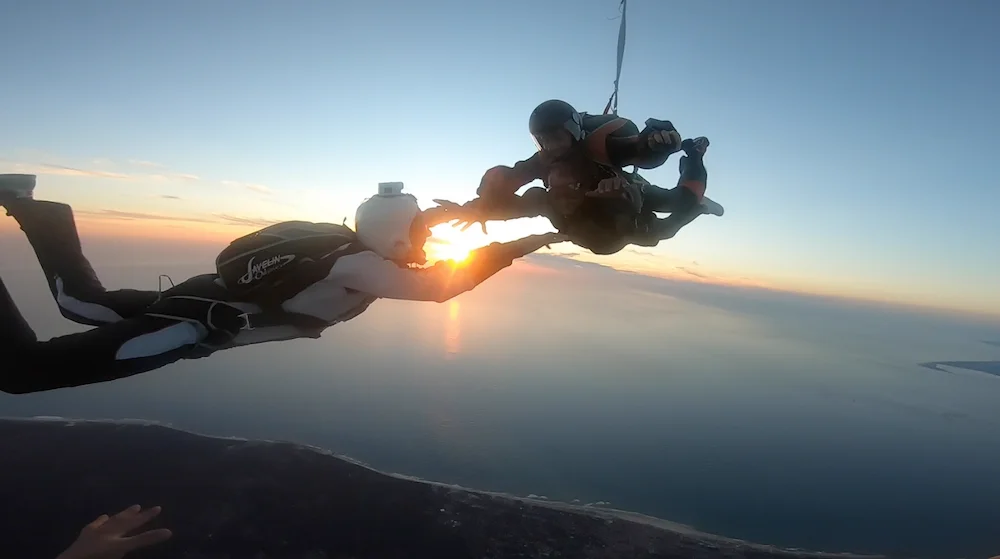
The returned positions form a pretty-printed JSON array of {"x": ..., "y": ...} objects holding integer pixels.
[{"x": 612, "y": 106}]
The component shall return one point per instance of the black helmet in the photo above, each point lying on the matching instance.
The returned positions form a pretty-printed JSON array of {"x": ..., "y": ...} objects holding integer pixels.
[{"x": 553, "y": 115}]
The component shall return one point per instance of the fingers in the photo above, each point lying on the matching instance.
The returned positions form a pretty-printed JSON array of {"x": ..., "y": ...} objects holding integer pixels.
[
  {"x": 657, "y": 139},
  {"x": 663, "y": 138},
  {"x": 555, "y": 238},
  {"x": 130, "y": 519},
  {"x": 97, "y": 523},
  {"x": 466, "y": 224},
  {"x": 116, "y": 522},
  {"x": 550, "y": 239},
  {"x": 445, "y": 203},
  {"x": 456, "y": 210},
  {"x": 147, "y": 539},
  {"x": 445, "y": 207}
]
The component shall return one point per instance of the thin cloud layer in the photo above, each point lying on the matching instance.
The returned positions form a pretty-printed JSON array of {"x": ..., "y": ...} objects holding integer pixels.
[
  {"x": 129, "y": 173},
  {"x": 691, "y": 272},
  {"x": 223, "y": 219},
  {"x": 141, "y": 163},
  {"x": 63, "y": 170},
  {"x": 253, "y": 187},
  {"x": 238, "y": 220},
  {"x": 118, "y": 214},
  {"x": 186, "y": 177}
]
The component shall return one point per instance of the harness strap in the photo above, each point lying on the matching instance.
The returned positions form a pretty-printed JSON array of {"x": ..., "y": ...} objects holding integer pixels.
[{"x": 275, "y": 316}]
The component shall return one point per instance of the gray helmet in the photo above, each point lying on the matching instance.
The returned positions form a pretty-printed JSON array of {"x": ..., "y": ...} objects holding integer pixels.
[{"x": 553, "y": 115}]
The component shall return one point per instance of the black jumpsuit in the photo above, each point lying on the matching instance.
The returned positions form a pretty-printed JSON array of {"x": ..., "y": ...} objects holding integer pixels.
[
  {"x": 601, "y": 225},
  {"x": 138, "y": 331},
  {"x": 122, "y": 316}
]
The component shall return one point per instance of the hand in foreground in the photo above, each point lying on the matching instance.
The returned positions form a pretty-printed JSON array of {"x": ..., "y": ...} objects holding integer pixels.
[
  {"x": 105, "y": 538},
  {"x": 664, "y": 140},
  {"x": 530, "y": 244},
  {"x": 442, "y": 213},
  {"x": 553, "y": 238},
  {"x": 619, "y": 187},
  {"x": 447, "y": 210}
]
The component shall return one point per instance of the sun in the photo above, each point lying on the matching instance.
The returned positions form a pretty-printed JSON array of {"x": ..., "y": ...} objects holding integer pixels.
[
  {"x": 451, "y": 251},
  {"x": 447, "y": 243}
]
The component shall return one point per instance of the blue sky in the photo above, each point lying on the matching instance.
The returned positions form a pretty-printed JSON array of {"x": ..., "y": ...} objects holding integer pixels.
[{"x": 852, "y": 142}]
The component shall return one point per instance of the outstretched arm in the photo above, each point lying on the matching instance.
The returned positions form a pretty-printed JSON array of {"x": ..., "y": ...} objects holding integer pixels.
[
  {"x": 647, "y": 149},
  {"x": 369, "y": 273},
  {"x": 497, "y": 197},
  {"x": 503, "y": 181}
]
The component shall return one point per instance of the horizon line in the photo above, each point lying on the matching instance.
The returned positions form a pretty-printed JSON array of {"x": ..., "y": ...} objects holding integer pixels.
[{"x": 95, "y": 218}]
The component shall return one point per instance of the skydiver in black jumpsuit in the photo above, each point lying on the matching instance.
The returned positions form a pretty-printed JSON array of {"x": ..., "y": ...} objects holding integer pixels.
[{"x": 141, "y": 330}]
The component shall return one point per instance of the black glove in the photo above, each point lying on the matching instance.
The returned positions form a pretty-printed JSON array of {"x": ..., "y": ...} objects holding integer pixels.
[{"x": 660, "y": 136}]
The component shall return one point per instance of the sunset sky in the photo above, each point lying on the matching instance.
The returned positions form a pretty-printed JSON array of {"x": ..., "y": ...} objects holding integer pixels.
[{"x": 852, "y": 142}]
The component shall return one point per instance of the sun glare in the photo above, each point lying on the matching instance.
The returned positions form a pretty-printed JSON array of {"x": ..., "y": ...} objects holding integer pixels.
[
  {"x": 450, "y": 251},
  {"x": 447, "y": 243}
]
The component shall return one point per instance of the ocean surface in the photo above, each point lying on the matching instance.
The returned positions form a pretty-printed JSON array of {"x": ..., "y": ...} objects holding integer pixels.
[{"x": 777, "y": 418}]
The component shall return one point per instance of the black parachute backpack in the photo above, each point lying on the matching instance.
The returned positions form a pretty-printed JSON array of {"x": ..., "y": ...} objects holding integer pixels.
[{"x": 270, "y": 266}]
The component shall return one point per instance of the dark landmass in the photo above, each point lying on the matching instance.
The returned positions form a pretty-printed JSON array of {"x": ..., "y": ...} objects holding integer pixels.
[
  {"x": 233, "y": 498},
  {"x": 988, "y": 367}
]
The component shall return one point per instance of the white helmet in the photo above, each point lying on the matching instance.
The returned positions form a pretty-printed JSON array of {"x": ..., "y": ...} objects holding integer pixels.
[{"x": 383, "y": 222}]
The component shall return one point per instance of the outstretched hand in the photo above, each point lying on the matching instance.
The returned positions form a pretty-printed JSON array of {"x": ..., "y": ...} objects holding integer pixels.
[
  {"x": 554, "y": 239},
  {"x": 532, "y": 243},
  {"x": 447, "y": 210},
  {"x": 105, "y": 537},
  {"x": 619, "y": 187}
]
